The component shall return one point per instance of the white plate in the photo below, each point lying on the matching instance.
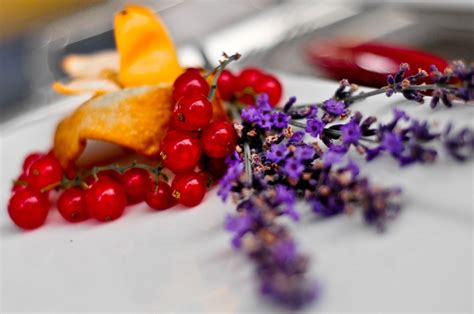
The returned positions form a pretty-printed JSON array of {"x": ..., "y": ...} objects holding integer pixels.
[{"x": 180, "y": 260}]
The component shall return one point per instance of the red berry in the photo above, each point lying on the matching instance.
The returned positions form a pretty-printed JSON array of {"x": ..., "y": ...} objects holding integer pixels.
[
  {"x": 159, "y": 197},
  {"x": 18, "y": 186},
  {"x": 44, "y": 171},
  {"x": 192, "y": 112},
  {"x": 216, "y": 167},
  {"x": 219, "y": 139},
  {"x": 71, "y": 172},
  {"x": 136, "y": 182},
  {"x": 30, "y": 159},
  {"x": 180, "y": 151},
  {"x": 105, "y": 199},
  {"x": 72, "y": 205},
  {"x": 246, "y": 99},
  {"x": 28, "y": 208},
  {"x": 190, "y": 80},
  {"x": 248, "y": 78},
  {"x": 271, "y": 86},
  {"x": 189, "y": 188},
  {"x": 227, "y": 84}
]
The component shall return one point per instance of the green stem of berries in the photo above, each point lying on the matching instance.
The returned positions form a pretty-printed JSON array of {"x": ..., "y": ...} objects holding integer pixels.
[
  {"x": 80, "y": 179},
  {"x": 218, "y": 70}
]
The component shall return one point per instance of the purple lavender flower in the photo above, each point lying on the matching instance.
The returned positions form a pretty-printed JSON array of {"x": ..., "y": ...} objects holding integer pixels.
[
  {"x": 353, "y": 167},
  {"x": 334, "y": 107},
  {"x": 334, "y": 154},
  {"x": 277, "y": 153},
  {"x": 291, "y": 101},
  {"x": 344, "y": 90},
  {"x": 372, "y": 153},
  {"x": 293, "y": 168},
  {"x": 350, "y": 133},
  {"x": 393, "y": 143},
  {"x": 313, "y": 112},
  {"x": 422, "y": 132},
  {"x": 399, "y": 114},
  {"x": 280, "y": 120},
  {"x": 459, "y": 145},
  {"x": 227, "y": 181},
  {"x": 304, "y": 152},
  {"x": 445, "y": 93},
  {"x": 266, "y": 122},
  {"x": 314, "y": 127},
  {"x": 285, "y": 251},
  {"x": 262, "y": 102},
  {"x": 287, "y": 197},
  {"x": 332, "y": 157},
  {"x": 238, "y": 223},
  {"x": 251, "y": 115},
  {"x": 399, "y": 83},
  {"x": 298, "y": 136}
]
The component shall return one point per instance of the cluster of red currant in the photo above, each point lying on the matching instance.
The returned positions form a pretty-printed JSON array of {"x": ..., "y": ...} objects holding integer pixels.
[
  {"x": 194, "y": 141},
  {"x": 247, "y": 84},
  {"x": 102, "y": 193}
]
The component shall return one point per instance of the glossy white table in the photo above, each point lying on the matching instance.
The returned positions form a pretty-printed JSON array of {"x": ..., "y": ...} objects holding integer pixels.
[{"x": 181, "y": 261}]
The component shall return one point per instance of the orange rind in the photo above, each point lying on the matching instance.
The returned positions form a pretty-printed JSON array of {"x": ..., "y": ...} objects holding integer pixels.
[
  {"x": 135, "y": 118},
  {"x": 132, "y": 102},
  {"x": 78, "y": 86},
  {"x": 90, "y": 65},
  {"x": 147, "y": 53}
]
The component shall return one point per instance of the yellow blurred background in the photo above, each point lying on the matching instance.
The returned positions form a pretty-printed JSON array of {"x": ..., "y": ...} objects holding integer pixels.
[{"x": 17, "y": 16}]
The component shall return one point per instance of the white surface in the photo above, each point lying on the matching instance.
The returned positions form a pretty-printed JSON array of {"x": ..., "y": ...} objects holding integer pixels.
[{"x": 181, "y": 261}]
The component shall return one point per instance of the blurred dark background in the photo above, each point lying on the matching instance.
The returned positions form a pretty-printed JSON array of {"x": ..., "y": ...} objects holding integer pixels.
[{"x": 36, "y": 34}]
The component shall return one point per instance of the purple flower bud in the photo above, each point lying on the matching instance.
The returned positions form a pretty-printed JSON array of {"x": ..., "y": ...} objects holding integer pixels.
[
  {"x": 350, "y": 133},
  {"x": 293, "y": 168},
  {"x": 304, "y": 152},
  {"x": 277, "y": 153},
  {"x": 280, "y": 120},
  {"x": 334, "y": 107},
  {"x": 393, "y": 143},
  {"x": 291, "y": 101},
  {"x": 298, "y": 136},
  {"x": 314, "y": 127}
]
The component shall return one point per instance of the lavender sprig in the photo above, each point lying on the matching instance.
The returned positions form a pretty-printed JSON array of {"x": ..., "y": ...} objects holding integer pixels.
[
  {"x": 455, "y": 83},
  {"x": 404, "y": 138},
  {"x": 285, "y": 170},
  {"x": 273, "y": 168}
]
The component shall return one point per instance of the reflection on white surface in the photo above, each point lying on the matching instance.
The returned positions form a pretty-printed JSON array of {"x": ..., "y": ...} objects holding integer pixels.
[{"x": 376, "y": 63}]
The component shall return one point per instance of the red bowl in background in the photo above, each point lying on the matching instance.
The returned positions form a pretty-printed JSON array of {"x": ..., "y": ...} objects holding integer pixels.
[{"x": 367, "y": 63}]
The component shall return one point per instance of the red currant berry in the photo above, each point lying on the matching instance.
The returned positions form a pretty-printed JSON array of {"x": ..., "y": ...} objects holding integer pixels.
[
  {"x": 180, "y": 151},
  {"x": 227, "y": 84},
  {"x": 216, "y": 167},
  {"x": 105, "y": 199},
  {"x": 28, "y": 208},
  {"x": 271, "y": 86},
  {"x": 136, "y": 182},
  {"x": 189, "y": 188},
  {"x": 72, "y": 205},
  {"x": 30, "y": 159},
  {"x": 44, "y": 171},
  {"x": 20, "y": 183},
  {"x": 219, "y": 139},
  {"x": 192, "y": 112},
  {"x": 159, "y": 197},
  {"x": 247, "y": 99},
  {"x": 190, "y": 80},
  {"x": 248, "y": 78}
]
